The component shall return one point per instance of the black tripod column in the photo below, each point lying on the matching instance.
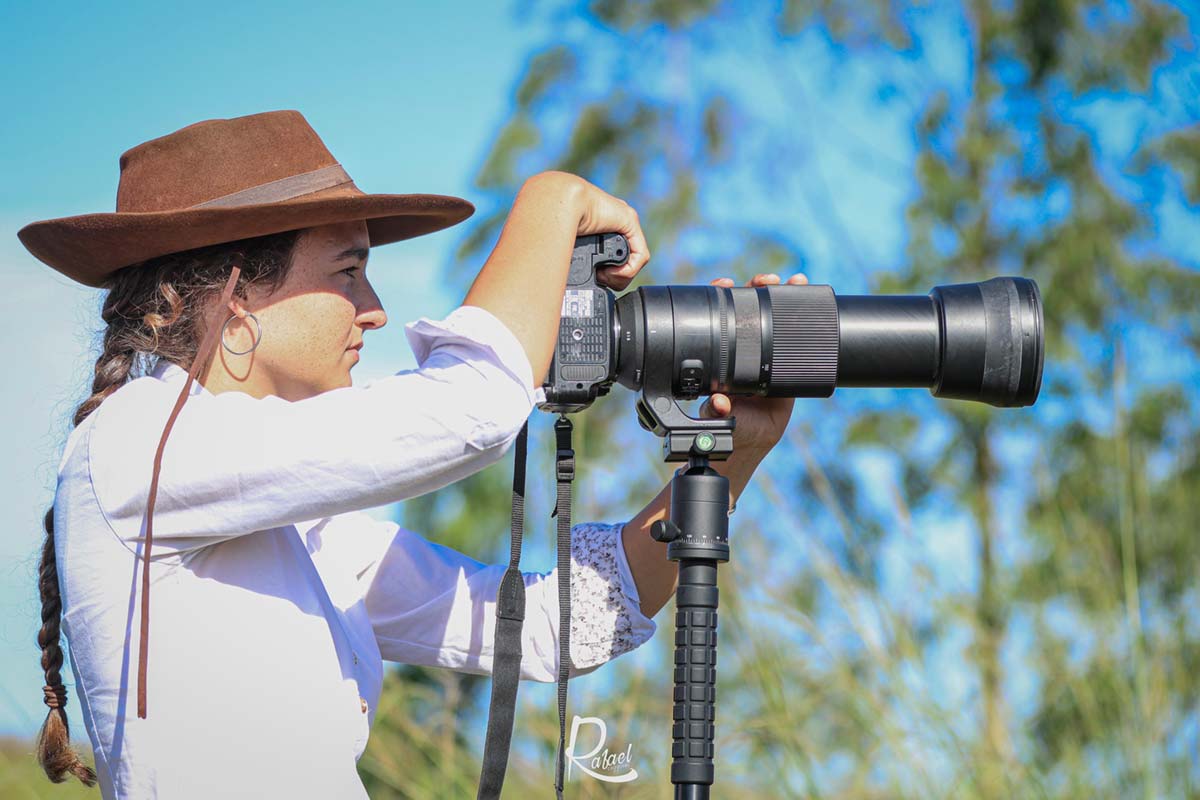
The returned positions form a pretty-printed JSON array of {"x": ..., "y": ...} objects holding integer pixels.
[{"x": 697, "y": 534}]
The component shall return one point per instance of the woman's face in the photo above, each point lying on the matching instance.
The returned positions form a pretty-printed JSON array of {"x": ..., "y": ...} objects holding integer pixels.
[{"x": 311, "y": 324}]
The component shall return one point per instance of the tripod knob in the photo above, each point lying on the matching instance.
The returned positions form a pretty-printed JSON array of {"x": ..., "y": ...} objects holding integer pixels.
[{"x": 664, "y": 531}]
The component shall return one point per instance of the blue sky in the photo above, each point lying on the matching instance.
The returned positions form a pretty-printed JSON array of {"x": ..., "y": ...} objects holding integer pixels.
[{"x": 407, "y": 100}]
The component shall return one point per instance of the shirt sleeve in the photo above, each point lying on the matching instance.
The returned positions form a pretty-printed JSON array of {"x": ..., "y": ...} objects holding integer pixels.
[
  {"x": 235, "y": 464},
  {"x": 434, "y": 606}
]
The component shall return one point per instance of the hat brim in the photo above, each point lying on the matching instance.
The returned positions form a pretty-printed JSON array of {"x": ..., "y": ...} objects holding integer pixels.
[{"x": 90, "y": 247}]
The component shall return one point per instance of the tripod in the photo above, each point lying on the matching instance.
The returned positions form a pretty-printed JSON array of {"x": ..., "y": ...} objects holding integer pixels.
[{"x": 697, "y": 536}]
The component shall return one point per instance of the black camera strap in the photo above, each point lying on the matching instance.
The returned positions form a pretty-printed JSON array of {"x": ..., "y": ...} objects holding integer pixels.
[{"x": 510, "y": 616}]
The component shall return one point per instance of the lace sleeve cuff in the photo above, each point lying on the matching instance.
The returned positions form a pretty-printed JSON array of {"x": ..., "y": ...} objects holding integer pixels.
[{"x": 606, "y": 615}]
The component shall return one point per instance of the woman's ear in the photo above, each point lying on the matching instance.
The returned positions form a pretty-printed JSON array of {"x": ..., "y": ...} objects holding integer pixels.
[{"x": 235, "y": 305}]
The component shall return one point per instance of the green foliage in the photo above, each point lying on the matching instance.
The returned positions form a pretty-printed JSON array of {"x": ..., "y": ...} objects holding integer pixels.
[
  {"x": 871, "y": 22},
  {"x": 846, "y": 632},
  {"x": 22, "y": 778},
  {"x": 1180, "y": 149},
  {"x": 624, "y": 15}
]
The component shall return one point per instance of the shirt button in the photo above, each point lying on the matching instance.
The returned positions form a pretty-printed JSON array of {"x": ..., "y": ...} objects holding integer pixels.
[{"x": 363, "y": 701}]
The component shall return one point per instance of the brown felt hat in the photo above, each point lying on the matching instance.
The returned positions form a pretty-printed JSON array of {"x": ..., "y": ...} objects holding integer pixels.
[{"x": 225, "y": 179}]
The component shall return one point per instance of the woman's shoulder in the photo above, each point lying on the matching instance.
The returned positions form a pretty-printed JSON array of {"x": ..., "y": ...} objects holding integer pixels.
[
  {"x": 128, "y": 423},
  {"x": 128, "y": 403},
  {"x": 133, "y": 406}
]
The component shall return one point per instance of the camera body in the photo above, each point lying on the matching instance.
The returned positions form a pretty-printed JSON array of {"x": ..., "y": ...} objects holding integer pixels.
[{"x": 583, "y": 365}]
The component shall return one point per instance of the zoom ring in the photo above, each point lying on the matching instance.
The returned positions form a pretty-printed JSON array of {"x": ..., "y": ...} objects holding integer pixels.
[{"x": 804, "y": 341}]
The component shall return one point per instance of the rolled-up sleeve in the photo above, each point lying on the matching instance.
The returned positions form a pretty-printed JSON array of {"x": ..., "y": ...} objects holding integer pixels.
[
  {"x": 235, "y": 464},
  {"x": 463, "y": 335},
  {"x": 434, "y": 606}
]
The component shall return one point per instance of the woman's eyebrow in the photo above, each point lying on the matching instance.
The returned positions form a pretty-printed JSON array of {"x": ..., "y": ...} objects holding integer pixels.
[{"x": 359, "y": 253}]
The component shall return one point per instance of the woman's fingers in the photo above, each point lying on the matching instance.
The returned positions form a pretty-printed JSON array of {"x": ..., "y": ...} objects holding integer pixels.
[
  {"x": 619, "y": 276},
  {"x": 717, "y": 405},
  {"x": 613, "y": 279},
  {"x": 605, "y": 213},
  {"x": 763, "y": 279},
  {"x": 639, "y": 250}
]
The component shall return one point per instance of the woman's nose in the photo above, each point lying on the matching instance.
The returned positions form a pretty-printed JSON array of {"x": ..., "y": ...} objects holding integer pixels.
[
  {"x": 370, "y": 311},
  {"x": 375, "y": 317}
]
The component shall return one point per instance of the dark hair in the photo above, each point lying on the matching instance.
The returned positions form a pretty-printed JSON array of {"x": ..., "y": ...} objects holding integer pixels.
[{"x": 153, "y": 310}]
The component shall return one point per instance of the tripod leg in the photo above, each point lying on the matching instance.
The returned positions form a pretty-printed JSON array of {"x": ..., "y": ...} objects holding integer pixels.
[{"x": 695, "y": 677}]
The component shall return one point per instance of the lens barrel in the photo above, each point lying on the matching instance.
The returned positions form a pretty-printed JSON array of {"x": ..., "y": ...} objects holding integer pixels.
[
  {"x": 969, "y": 341},
  {"x": 972, "y": 341}
]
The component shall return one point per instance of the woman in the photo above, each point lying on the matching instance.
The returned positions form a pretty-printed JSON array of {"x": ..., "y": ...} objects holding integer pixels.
[{"x": 276, "y": 598}]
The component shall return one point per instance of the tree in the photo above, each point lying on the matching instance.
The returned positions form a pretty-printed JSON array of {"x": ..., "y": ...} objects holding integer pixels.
[{"x": 839, "y": 643}]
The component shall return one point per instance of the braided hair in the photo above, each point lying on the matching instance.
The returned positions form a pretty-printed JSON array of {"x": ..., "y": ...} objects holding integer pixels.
[{"x": 153, "y": 310}]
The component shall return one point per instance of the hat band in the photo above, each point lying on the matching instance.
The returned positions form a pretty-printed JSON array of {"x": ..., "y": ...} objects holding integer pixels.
[{"x": 282, "y": 189}]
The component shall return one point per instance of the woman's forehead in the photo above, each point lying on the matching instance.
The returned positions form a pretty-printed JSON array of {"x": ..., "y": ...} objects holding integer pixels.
[{"x": 336, "y": 237}]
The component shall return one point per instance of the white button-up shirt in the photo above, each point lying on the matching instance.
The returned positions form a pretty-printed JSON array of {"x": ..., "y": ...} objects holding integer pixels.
[{"x": 274, "y": 597}]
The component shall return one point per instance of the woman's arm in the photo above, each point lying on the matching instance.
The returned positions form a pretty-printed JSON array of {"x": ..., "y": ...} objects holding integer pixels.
[
  {"x": 656, "y": 576},
  {"x": 236, "y": 464},
  {"x": 432, "y": 605},
  {"x": 523, "y": 280}
]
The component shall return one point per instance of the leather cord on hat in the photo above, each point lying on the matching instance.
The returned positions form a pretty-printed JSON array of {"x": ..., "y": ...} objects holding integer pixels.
[{"x": 203, "y": 354}]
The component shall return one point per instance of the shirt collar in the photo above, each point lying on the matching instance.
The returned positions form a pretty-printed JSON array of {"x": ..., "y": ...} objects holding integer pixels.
[{"x": 170, "y": 372}]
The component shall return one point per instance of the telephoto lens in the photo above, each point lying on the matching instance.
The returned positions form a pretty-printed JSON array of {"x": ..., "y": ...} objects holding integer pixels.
[{"x": 971, "y": 341}]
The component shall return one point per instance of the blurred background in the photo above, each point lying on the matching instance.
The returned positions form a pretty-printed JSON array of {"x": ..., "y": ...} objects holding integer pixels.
[{"x": 927, "y": 598}]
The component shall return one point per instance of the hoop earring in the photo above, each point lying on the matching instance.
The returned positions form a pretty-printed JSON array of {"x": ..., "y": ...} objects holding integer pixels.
[{"x": 257, "y": 338}]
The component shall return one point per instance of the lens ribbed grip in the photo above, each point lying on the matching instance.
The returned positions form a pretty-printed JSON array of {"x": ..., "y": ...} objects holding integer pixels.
[{"x": 804, "y": 341}]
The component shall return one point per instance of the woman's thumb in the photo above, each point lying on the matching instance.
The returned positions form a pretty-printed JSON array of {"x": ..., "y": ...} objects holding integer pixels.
[{"x": 711, "y": 406}]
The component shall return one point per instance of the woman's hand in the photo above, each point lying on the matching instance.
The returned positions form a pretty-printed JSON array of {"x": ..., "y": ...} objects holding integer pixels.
[
  {"x": 761, "y": 421},
  {"x": 603, "y": 213}
]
